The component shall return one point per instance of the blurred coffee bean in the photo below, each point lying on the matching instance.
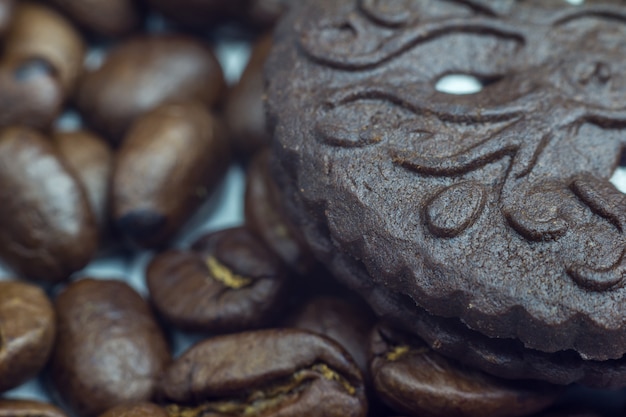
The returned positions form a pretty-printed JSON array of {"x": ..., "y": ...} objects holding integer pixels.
[
  {"x": 28, "y": 408},
  {"x": 47, "y": 230},
  {"x": 109, "y": 347},
  {"x": 199, "y": 14},
  {"x": 344, "y": 320},
  {"x": 264, "y": 373},
  {"x": 265, "y": 13},
  {"x": 109, "y": 18},
  {"x": 144, "y": 72},
  {"x": 569, "y": 413},
  {"x": 6, "y": 11},
  {"x": 30, "y": 93},
  {"x": 91, "y": 159},
  {"x": 265, "y": 217},
  {"x": 41, "y": 61},
  {"x": 140, "y": 409},
  {"x": 40, "y": 33},
  {"x": 413, "y": 379},
  {"x": 244, "y": 110},
  {"x": 27, "y": 328},
  {"x": 227, "y": 282},
  {"x": 169, "y": 163}
]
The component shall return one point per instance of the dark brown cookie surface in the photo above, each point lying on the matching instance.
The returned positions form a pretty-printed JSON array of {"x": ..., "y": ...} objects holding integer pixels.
[{"x": 494, "y": 208}]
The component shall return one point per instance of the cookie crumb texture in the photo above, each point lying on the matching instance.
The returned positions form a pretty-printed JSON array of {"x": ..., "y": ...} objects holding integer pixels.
[{"x": 484, "y": 222}]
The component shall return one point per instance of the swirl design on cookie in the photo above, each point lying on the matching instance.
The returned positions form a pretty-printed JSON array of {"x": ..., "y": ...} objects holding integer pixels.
[
  {"x": 561, "y": 93},
  {"x": 492, "y": 209}
]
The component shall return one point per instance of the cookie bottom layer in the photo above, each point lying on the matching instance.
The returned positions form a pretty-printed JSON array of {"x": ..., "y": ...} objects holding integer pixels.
[{"x": 506, "y": 358}]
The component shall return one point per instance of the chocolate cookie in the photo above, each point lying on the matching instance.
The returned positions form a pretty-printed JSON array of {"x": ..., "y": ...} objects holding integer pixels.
[{"x": 486, "y": 223}]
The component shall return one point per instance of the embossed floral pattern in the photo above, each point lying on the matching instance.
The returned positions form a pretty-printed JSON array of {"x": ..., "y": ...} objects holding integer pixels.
[{"x": 550, "y": 80}]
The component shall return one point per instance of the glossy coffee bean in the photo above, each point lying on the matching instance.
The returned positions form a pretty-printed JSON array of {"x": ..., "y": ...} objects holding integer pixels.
[
  {"x": 139, "y": 409},
  {"x": 38, "y": 32},
  {"x": 198, "y": 14},
  {"x": 266, "y": 13},
  {"x": 6, "y": 12},
  {"x": 30, "y": 94},
  {"x": 47, "y": 230},
  {"x": 27, "y": 328},
  {"x": 109, "y": 348},
  {"x": 265, "y": 217},
  {"x": 28, "y": 408},
  {"x": 169, "y": 163},
  {"x": 144, "y": 72},
  {"x": 264, "y": 373},
  {"x": 346, "y": 321},
  {"x": 108, "y": 18},
  {"x": 91, "y": 159},
  {"x": 229, "y": 281},
  {"x": 413, "y": 379},
  {"x": 244, "y": 110},
  {"x": 41, "y": 60},
  {"x": 569, "y": 413}
]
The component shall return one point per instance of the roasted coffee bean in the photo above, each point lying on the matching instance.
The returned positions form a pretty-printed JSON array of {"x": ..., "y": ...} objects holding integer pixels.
[
  {"x": 47, "y": 230},
  {"x": 109, "y": 348},
  {"x": 6, "y": 12},
  {"x": 144, "y": 72},
  {"x": 413, "y": 379},
  {"x": 244, "y": 110},
  {"x": 103, "y": 17},
  {"x": 228, "y": 281},
  {"x": 199, "y": 13},
  {"x": 266, "y": 218},
  {"x": 30, "y": 94},
  {"x": 41, "y": 61},
  {"x": 571, "y": 412},
  {"x": 27, "y": 327},
  {"x": 140, "y": 409},
  {"x": 28, "y": 408},
  {"x": 265, "y": 13},
  {"x": 348, "y": 322},
  {"x": 40, "y": 33},
  {"x": 91, "y": 159},
  {"x": 169, "y": 163},
  {"x": 279, "y": 372}
]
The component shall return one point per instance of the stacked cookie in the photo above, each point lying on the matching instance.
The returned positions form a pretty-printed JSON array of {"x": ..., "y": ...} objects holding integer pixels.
[
  {"x": 484, "y": 223},
  {"x": 482, "y": 227}
]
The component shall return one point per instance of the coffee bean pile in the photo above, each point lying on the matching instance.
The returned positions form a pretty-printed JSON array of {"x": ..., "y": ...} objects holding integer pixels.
[{"x": 274, "y": 334}]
